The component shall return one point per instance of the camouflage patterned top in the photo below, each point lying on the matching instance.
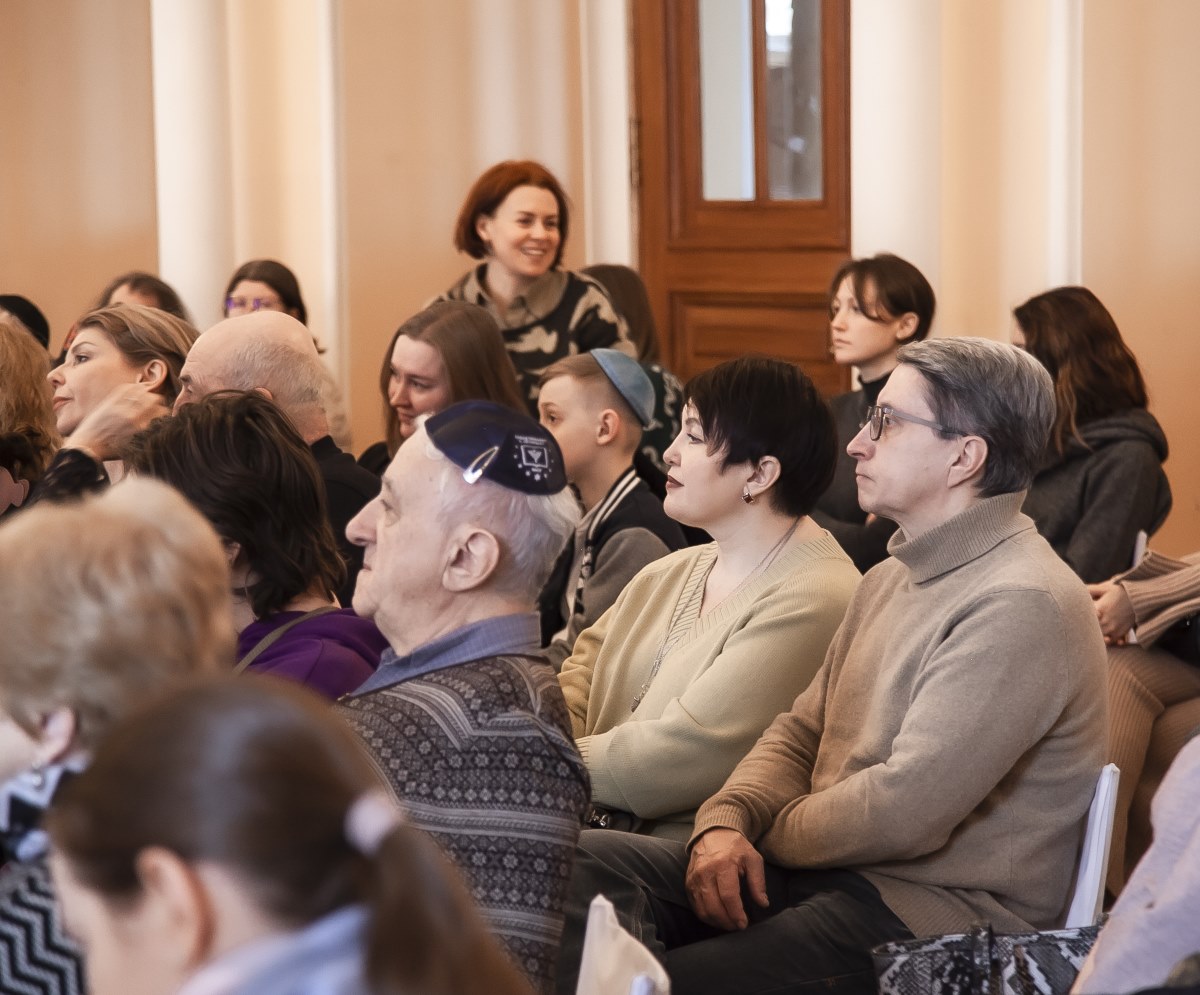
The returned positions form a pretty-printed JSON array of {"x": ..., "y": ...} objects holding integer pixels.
[{"x": 562, "y": 313}]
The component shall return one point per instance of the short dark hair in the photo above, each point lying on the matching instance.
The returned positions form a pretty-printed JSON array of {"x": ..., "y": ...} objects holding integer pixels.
[
  {"x": 754, "y": 407},
  {"x": 276, "y": 276},
  {"x": 1095, "y": 374},
  {"x": 237, "y": 458},
  {"x": 149, "y": 285},
  {"x": 472, "y": 350},
  {"x": 488, "y": 193},
  {"x": 890, "y": 287}
]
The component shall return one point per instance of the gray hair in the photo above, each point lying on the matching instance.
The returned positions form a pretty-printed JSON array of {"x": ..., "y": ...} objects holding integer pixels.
[
  {"x": 532, "y": 529},
  {"x": 296, "y": 379},
  {"x": 993, "y": 390}
]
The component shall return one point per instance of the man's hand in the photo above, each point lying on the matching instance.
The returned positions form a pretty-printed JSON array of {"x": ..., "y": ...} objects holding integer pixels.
[
  {"x": 1113, "y": 610},
  {"x": 720, "y": 859},
  {"x": 122, "y": 414}
]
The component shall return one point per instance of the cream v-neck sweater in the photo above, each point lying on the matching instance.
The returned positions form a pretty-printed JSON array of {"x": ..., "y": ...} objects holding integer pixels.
[
  {"x": 718, "y": 687},
  {"x": 949, "y": 747}
]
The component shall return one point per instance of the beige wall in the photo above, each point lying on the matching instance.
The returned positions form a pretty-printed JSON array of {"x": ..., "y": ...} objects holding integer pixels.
[
  {"x": 432, "y": 94},
  {"x": 1142, "y": 215},
  {"x": 77, "y": 202}
]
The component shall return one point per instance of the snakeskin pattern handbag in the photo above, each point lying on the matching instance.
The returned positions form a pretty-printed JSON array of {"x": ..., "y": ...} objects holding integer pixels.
[{"x": 984, "y": 963}]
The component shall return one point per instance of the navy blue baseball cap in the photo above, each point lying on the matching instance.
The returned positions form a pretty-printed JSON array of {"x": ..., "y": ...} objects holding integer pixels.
[{"x": 491, "y": 442}]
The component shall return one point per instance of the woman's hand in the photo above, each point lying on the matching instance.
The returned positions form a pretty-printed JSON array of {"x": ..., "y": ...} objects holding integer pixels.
[
  {"x": 720, "y": 859},
  {"x": 122, "y": 414},
  {"x": 1113, "y": 611}
]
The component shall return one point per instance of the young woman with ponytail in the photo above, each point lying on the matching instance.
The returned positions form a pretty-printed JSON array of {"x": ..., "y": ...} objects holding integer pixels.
[{"x": 233, "y": 838}]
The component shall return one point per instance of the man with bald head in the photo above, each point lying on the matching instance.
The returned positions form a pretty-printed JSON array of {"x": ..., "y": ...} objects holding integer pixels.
[{"x": 273, "y": 353}]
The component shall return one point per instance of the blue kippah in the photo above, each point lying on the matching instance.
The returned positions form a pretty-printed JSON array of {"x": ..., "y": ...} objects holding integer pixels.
[
  {"x": 492, "y": 442},
  {"x": 630, "y": 380}
]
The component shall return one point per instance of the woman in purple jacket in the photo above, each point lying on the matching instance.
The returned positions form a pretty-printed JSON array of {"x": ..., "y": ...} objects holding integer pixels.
[{"x": 238, "y": 459}]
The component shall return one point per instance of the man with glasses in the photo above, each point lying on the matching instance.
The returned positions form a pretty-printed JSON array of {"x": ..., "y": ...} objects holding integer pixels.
[
  {"x": 937, "y": 771},
  {"x": 464, "y": 717}
]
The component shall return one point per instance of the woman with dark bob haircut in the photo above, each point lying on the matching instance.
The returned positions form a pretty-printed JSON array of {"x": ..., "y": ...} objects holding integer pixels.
[
  {"x": 1102, "y": 479},
  {"x": 515, "y": 220},
  {"x": 703, "y": 648},
  {"x": 876, "y": 305},
  {"x": 446, "y": 353},
  {"x": 238, "y": 459},
  {"x": 232, "y": 838}
]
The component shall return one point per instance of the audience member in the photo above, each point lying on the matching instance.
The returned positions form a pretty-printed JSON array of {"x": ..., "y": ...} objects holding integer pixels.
[
  {"x": 446, "y": 353},
  {"x": 29, "y": 316},
  {"x": 146, "y": 289},
  {"x": 702, "y": 649},
  {"x": 232, "y": 839},
  {"x": 1153, "y": 693},
  {"x": 595, "y": 405},
  {"x": 463, "y": 717},
  {"x": 28, "y": 437},
  {"x": 109, "y": 600},
  {"x": 1152, "y": 926},
  {"x": 273, "y": 353},
  {"x": 122, "y": 371},
  {"x": 516, "y": 219},
  {"x": 937, "y": 770},
  {"x": 625, "y": 287},
  {"x": 875, "y": 306},
  {"x": 238, "y": 459},
  {"x": 1101, "y": 480},
  {"x": 267, "y": 285}
]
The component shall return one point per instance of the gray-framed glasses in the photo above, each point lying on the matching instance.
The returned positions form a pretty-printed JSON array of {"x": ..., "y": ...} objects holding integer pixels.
[{"x": 878, "y": 414}]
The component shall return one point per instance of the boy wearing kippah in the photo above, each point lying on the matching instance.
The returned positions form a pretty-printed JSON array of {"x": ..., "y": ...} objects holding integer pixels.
[{"x": 595, "y": 405}]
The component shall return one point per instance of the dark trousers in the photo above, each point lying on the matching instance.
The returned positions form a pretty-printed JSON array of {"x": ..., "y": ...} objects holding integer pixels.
[{"x": 815, "y": 935}]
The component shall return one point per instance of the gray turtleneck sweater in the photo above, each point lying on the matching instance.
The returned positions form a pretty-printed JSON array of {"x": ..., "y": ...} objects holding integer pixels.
[{"x": 948, "y": 749}]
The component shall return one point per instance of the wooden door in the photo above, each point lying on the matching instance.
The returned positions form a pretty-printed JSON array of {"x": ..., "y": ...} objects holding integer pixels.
[{"x": 742, "y": 176}]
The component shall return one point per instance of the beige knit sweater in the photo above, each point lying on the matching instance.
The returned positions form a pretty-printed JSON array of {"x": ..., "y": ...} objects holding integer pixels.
[
  {"x": 718, "y": 687},
  {"x": 949, "y": 747}
]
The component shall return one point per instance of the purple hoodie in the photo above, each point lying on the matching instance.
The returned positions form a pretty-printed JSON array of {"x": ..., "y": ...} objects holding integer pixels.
[{"x": 332, "y": 654}]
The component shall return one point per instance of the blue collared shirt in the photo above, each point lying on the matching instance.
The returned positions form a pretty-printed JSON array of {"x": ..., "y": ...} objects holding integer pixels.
[{"x": 501, "y": 636}]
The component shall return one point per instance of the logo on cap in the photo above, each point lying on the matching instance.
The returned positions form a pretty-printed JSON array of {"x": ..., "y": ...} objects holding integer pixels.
[{"x": 533, "y": 457}]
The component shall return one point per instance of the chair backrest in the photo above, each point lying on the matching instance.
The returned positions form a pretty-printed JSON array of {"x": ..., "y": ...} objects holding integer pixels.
[
  {"x": 614, "y": 960},
  {"x": 1088, "y": 897}
]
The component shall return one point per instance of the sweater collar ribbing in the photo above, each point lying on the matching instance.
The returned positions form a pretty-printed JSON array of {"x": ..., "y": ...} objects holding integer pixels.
[{"x": 963, "y": 538}]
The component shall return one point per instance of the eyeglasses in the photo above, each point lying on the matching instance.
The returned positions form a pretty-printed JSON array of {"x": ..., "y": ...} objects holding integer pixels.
[
  {"x": 252, "y": 304},
  {"x": 878, "y": 415}
]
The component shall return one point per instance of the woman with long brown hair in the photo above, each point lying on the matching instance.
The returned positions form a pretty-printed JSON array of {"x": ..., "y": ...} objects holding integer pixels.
[
  {"x": 448, "y": 352},
  {"x": 1102, "y": 480},
  {"x": 28, "y": 437}
]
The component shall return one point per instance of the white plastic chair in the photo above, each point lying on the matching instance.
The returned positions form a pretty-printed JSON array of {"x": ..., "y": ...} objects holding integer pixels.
[
  {"x": 614, "y": 961},
  {"x": 1088, "y": 897}
]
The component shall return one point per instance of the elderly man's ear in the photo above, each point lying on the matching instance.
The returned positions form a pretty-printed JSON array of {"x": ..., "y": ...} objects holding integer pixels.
[{"x": 475, "y": 554}]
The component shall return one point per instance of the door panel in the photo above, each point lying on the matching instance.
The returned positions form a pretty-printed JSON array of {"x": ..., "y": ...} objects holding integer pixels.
[{"x": 747, "y": 275}]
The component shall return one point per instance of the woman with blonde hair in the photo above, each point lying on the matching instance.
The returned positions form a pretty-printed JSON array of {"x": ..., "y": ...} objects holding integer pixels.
[
  {"x": 118, "y": 596},
  {"x": 236, "y": 838},
  {"x": 28, "y": 437},
  {"x": 124, "y": 360},
  {"x": 448, "y": 352}
]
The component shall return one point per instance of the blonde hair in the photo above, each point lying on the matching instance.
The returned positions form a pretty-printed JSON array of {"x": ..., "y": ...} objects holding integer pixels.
[
  {"x": 144, "y": 334},
  {"x": 119, "y": 594},
  {"x": 25, "y": 401}
]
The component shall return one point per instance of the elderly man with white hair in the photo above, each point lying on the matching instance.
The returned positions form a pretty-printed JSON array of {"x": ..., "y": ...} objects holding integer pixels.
[
  {"x": 464, "y": 717},
  {"x": 273, "y": 353}
]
